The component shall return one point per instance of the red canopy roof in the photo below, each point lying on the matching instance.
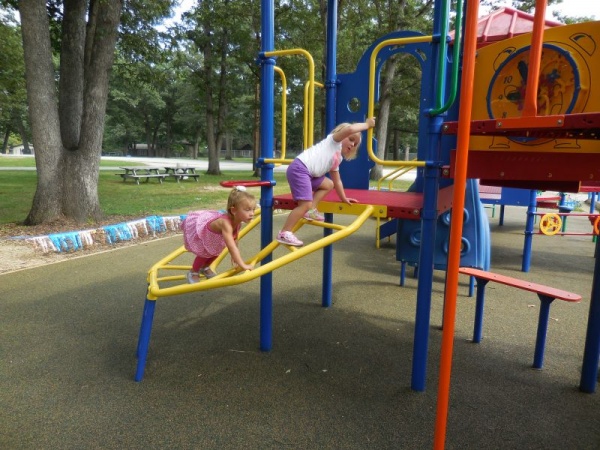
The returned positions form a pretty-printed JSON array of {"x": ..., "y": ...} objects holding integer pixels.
[{"x": 505, "y": 23}]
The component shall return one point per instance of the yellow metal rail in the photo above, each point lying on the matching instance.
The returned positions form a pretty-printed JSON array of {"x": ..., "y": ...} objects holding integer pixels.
[
  {"x": 227, "y": 278},
  {"x": 311, "y": 81},
  {"x": 283, "y": 110},
  {"x": 371, "y": 105}
]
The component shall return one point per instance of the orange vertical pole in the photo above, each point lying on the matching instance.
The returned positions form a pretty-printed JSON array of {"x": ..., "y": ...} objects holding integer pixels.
[
  {"x": 456, "y": 225},
  {"x": 535, "y": 56}
]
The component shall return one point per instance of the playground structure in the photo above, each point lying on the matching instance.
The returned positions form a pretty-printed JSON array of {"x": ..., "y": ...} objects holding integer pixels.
[{"x": 508, "y": 140}]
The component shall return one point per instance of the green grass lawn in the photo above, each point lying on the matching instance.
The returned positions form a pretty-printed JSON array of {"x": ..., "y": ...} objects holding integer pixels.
[{"x": 119, "y": 198}]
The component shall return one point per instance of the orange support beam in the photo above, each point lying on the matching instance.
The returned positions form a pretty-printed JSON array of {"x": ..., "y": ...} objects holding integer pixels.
[
  {"x": 535, "y": 57},
  {"x": 456, "y": 226}
]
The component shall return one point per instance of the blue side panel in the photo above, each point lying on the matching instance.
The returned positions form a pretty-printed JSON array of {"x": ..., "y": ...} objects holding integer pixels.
[
  {"x": 510, "y": 196},
  {"x": 389, "y": 228},
  {"x": 476, "y": 243},
  {"x": 352, "y": 101}
]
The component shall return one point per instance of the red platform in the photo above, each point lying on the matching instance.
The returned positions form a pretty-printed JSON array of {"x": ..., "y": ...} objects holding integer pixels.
[
  {"x": 572, "y": 126},
  {"x": 563, "y": 172},
  {"x": 401, "y": 205}
]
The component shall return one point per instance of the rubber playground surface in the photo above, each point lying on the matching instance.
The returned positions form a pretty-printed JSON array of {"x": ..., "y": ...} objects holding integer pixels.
[{"x": 337, "y": 378}]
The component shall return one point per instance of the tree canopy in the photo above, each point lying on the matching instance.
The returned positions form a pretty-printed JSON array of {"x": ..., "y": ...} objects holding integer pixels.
[{"x": 108, "y": 76}]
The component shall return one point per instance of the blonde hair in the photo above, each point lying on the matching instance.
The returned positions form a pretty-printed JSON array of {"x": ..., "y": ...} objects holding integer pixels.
[
  {"x": 238, "y": 195},
  {"x": 354, "y": 153}
]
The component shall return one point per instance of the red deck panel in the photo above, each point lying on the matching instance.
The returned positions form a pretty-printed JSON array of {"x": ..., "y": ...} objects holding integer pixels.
[
  {"x": 532, "y": 170},
  {"x": 574, "y": 126},
  {"x": 590, "y": 186},
  {"x": 401, "y": 205},
  {"x": 490, "y": 192}
]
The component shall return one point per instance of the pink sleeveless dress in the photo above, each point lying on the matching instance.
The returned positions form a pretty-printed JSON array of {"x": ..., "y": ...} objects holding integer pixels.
[{"x": 198, "y": 238}]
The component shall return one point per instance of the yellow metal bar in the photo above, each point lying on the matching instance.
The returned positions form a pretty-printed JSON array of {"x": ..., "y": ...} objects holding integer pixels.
[
  {"x": 278, "y": 161},
  {"x": 311, "y": 79},
  {"x": 225, "y": 278},
  {"x": 283, "y": 110},
  {"x": 354, "y": 209},
  {"x": 163, "y": 264},
  {"x": 308, "y": 107},
  {"x": 393, "y": 175},
  {"x": 371, "y": 105}
]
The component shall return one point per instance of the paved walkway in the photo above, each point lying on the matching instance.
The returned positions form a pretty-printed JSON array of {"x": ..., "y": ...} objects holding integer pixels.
[
  {"x": 200, "y": 164},
  {"x": 336, "y": 378}
]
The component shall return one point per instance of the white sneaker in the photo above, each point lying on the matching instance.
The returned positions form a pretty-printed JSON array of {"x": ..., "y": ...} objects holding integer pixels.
[
  {"x": 314, "y": 214},
  {"x": 288, "y": 238},
  {"x": 192, "y": 277}
]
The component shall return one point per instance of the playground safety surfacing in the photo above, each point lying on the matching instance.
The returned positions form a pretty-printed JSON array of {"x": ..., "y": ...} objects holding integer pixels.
[{"x": 336, "y": 378}]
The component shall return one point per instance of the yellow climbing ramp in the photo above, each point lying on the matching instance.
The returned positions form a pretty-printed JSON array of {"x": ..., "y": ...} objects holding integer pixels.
[{"x": 160, "y": 283}]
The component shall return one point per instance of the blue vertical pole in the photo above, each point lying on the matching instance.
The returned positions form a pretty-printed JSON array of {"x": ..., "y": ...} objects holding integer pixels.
[
  {"x": 429, "y": 217},
  {"x": 331, "y": 69},
  {"x": 330, "y": 117},
  {"x": 425, "y": 274},
  {"x": 589, "y": 370},
  {"x": 529, "y": 231},
  {"x": 144, "y": 338},
  {"x": 266, "y": 151}
]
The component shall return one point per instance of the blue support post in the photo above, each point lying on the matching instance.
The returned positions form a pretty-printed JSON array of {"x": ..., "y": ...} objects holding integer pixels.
[
  {"x": 144, "y": 338},
  {"x": 589, "y": 370},
  {"x": 529, "y": 231},
  {"x": 542, "y": 331},
  {"x": 479, "y": 304},
  {"x": 402, "y": 272},
  {"x": 330, "y": 118},
  {"x": 425, "y": 274},
  {"x": 327, "y": 292},
  {"x": 266, "y": 151},
  {"x": 471, "y": 286}
]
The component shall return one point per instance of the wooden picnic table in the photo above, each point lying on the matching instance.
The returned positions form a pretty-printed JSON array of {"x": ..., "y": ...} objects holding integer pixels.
[
  {"x": 180, "y": 172},
  {"x": 140, "y": 172}
]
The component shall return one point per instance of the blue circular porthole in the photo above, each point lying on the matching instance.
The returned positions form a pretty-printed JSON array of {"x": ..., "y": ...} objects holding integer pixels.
[
  {"x": 465, "y": 246},
  {"x": 447, "y": 217},
  {"x": 415, "y": 238}
]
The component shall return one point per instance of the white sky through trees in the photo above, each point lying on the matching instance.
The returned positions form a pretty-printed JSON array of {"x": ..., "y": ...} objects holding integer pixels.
[{"x": 571, "y": 8}]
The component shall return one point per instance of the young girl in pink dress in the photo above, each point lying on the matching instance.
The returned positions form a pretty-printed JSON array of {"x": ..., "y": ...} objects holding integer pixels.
[{"x": 206, "y": 233}]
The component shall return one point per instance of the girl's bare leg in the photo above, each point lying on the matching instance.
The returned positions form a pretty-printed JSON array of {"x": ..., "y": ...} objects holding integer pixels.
[{"x": 296, "y": 214}]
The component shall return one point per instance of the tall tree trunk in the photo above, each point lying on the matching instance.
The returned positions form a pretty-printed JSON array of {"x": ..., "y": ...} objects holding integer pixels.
[
  {"x": 23, "y": 134},
  {"x": 228, "y": 147},
  {"x": 5, "y": 141},
  {"x": 68, "y": 139},
  {"x": 195, "y": 149},
  {"x": 211, "y": 133},
  {"x": 43, "y": 108}
]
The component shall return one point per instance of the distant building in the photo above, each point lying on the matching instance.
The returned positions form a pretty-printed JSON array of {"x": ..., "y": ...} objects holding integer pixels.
[{"x": 20, "y": 150}]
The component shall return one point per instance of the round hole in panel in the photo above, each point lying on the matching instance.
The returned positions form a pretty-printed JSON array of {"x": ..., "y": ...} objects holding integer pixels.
[
  {"x": 465, "y": 246},
  {"x": 415, "y": 238},
  {"x": 354, "y": 105},
  {"x": 447, "y": 217}
]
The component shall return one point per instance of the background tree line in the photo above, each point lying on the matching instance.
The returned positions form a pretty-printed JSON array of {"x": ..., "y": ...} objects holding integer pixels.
[{"x": 84, "y": 77}]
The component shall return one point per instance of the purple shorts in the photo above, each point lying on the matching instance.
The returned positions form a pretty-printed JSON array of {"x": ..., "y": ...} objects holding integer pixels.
[{"x": 302, "y": 184}]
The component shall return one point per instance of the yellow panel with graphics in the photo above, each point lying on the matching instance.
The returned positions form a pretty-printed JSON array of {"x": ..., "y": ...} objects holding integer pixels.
[{"x": 570, "y": 61}]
